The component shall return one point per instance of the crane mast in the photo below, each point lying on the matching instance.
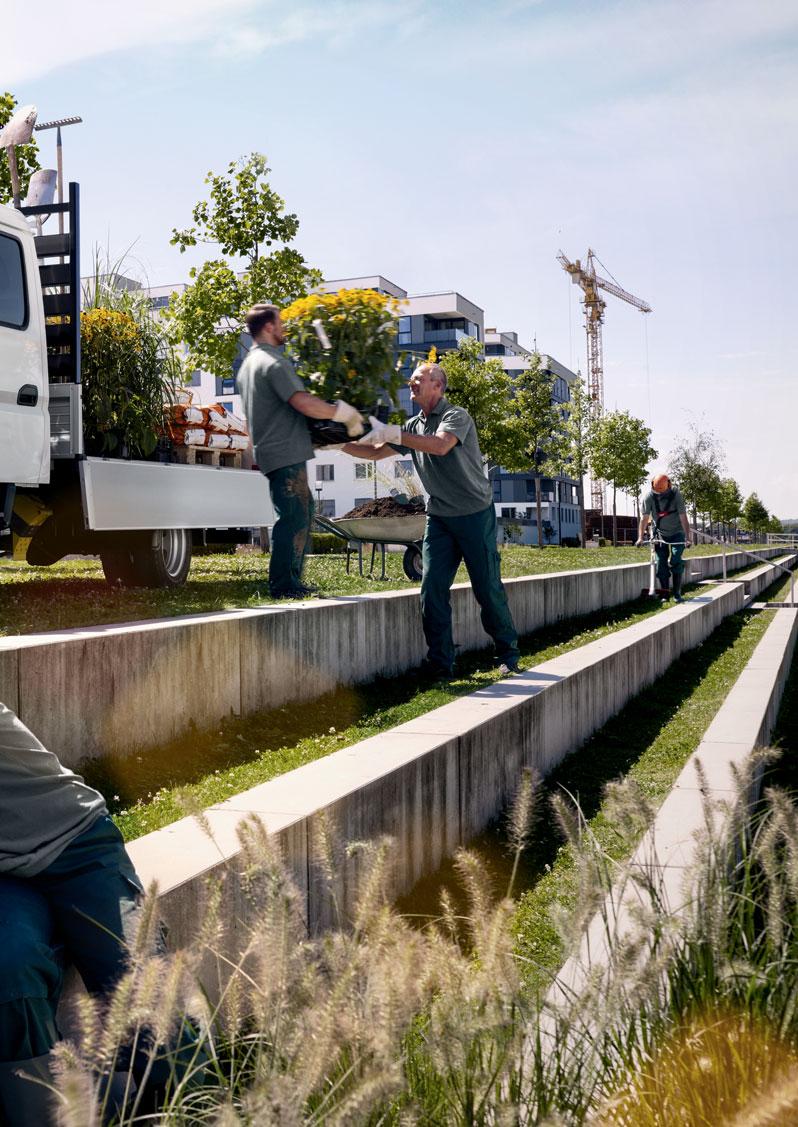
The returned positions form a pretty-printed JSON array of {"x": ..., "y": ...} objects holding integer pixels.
[{"x": 591, "y": 283}]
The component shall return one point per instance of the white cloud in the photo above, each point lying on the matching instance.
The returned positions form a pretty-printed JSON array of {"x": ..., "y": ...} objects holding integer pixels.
[{"x": 62, "y": 36}]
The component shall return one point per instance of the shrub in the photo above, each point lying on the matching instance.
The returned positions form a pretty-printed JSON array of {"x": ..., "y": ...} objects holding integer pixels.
[{"x": 326, "y": 543}]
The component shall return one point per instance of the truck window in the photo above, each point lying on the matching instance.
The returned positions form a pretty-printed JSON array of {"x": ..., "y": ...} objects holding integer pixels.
[{"x": 13, "y": 298}]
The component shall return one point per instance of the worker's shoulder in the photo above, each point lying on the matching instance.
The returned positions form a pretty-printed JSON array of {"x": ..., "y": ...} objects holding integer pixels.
[{"x": 453, "y": 414}]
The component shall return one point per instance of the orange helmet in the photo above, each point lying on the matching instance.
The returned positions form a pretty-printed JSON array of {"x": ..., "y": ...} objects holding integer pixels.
[{"x": 660, "y": 483}]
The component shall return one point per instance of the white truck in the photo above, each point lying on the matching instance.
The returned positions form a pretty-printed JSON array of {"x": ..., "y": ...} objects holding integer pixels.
[{"x": 140, "y": 517}]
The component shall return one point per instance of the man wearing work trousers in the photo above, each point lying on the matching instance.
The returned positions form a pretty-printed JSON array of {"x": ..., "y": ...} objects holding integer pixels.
[
  {"x": 664, "y": 506},
  {"x": 461, "y": 520},
  {"x": 68, "y": 893},
  {"x": 276, "y": 403}
]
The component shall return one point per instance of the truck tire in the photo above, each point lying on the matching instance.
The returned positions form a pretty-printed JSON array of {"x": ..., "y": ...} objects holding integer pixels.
[
  {"x": 412, "y": 564},
  {"x": 150, "y": 559}
]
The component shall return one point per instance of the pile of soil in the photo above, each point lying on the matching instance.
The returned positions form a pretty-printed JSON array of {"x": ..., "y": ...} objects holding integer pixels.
[{"x": 387, "y": 507}]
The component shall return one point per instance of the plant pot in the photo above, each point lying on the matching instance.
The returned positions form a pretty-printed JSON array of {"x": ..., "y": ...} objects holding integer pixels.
[{"x": 325, "y": 432}]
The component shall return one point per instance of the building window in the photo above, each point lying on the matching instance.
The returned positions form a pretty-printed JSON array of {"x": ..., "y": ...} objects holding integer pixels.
[
  {"x": 326, "y": 508},
  {"x": 404, "y": 332},
  {"x": 325, "y": 473},
  {"x": 361, "y": 501},
  {"x": 364, "y": 471},
  {"x": 508, "y": 513},
  {"x": 403, "y": 468},
  {"x": 196, "y": 378}
]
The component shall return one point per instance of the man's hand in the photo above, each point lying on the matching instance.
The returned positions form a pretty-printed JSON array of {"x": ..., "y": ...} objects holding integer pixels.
[
  {"x": 382, "y": 432},
  {"x": 639, "y": 542},
  {"x": 351, "y": 418}
]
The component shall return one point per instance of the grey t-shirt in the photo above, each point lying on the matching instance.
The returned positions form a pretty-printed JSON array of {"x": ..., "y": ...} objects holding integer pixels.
[
  {"x": 456, "y": 481},
  {"x": 266, "y": 381},
  {"x": 671, "y": 505},
  {"x": 43, "y": 806}
]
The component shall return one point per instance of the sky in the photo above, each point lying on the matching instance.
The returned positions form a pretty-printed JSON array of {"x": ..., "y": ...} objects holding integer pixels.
[{"x": 462, "y": 146}]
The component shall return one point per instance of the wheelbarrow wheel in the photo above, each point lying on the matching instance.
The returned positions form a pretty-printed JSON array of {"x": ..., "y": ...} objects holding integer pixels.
[{"x": 412, "y": 562}]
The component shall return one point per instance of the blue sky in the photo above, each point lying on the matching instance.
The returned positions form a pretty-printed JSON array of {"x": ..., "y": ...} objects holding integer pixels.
[{"x": 461, "y": 146}]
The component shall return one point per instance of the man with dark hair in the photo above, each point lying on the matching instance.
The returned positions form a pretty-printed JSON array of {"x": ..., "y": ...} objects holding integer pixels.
[
  {"x": 665, "y": 507},
  {"x": 68, "y": 892},
  {"x": 276, "y": 405},
  {"x": 461, "y": 518}
]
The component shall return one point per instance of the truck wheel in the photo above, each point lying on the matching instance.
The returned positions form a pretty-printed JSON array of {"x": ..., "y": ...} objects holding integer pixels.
[
  {"x": 412, "y": 562},
  {"x": 152, "y": 559}
]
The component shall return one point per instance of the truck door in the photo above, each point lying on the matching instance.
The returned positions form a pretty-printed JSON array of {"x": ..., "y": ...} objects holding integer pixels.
[{"x": 24, "y": 418}]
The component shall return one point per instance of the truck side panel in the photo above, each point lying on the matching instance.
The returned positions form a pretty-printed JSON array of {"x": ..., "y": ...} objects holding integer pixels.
[{"x": 126, "y": 495}]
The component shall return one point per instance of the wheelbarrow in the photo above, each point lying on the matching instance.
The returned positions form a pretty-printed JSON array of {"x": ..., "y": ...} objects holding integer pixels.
[{"x": 379, "y": 531}]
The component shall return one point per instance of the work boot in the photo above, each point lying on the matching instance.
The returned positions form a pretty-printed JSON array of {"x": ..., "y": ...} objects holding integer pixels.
[
  {"x": 23, "y": 1102},
  {"x": 663, "y": 593},
  {"x": 677, "y": 587}
]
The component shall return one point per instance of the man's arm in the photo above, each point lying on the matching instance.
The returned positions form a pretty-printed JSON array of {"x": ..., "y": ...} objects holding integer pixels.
[
  {"x": 311, "y": 405},
  {"x": 366, "y": 451},
  {"x": 642, "y": 526},
  {"x": 439, "y": 444},
  {"x": 688, "y": 532}
]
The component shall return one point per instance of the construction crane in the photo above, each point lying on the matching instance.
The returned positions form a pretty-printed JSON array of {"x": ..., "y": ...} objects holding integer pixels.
[{"x": 591, "y": 282}]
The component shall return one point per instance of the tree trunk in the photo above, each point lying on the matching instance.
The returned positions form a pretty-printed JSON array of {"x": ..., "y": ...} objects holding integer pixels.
[
  {"x": 580, "y": 496},
  {"x": 614, "y": 518},
  {"x": 539, "y": 510}
]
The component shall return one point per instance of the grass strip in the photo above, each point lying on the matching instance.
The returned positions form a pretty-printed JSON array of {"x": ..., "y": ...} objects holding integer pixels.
[
  {"x": 649, "y": 740},
  {"x": 74, "y": 593},
  {"x": 153, "y": 788}
]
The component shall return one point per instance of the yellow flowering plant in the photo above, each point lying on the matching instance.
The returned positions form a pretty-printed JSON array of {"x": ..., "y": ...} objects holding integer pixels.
[{"x": 343, "y": 346}]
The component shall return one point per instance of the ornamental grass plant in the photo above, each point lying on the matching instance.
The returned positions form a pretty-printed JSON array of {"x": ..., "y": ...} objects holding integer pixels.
[{"x": 690, "y": 1018}]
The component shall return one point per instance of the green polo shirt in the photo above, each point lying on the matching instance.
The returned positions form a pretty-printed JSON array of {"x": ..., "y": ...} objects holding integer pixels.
[
  {"x": 671, "y": 505},
  {"x": 456, "y": 481},
  {"x": 266, "y": 381}
]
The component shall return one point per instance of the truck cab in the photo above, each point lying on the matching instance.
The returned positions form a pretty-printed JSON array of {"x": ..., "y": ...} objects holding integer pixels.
[{"x": 24, "y": 391}]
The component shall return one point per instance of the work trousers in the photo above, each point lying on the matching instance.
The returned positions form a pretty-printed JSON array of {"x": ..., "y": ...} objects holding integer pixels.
[
  {"x": 471, "y": 539},
  {"x": 293, "y": 503},
  {"x": 670, "y": 562},
  {"x": 82, "y": 908}
]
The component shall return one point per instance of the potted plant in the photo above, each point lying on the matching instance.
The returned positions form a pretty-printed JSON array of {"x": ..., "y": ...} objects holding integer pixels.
[{"x": 343, "y": 346}]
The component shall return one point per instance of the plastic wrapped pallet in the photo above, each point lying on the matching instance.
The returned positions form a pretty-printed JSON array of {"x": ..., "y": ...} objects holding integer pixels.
[
  {"x": 217, "y": 441},
  {"x": 239, "y": 441},
  {"x": 189, "y": 436}
]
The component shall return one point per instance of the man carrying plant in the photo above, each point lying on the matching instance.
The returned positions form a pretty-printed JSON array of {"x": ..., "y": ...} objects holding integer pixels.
[
  {"x": 461, "y": 519},
  {"x": 664, "y": 505},
  {"x": 276, "y": 404}
]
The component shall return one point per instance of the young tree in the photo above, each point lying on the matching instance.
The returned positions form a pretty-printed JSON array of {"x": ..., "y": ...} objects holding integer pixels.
[
  {"x": 484, "y": 389},
  {"x": 576, "y": 431},
  {"x": 731, "y": 501},
  {"x": 246, "y": 219},
  {"x": 620, "y": 451},
  {"x": 774, "y": 524},
  {"x": 755, "y": 515},
  {"x": 27, "y": 155},
  {"x": 695, "y": 465}
]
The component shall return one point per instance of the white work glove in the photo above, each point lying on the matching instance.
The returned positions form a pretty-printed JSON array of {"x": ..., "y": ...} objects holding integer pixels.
[
  {"x": 351, "y": 418},
  {"x": 639, "y": 542},
  {"x": 382, "y": 432}
]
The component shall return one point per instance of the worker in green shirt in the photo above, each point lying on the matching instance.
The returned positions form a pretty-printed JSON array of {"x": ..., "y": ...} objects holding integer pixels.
[
  {"x": 68, "y": 894},
  {"x": 276, "y": 405},
  {"x": 461, "y": 518},
  {"x": 664, "y": 506}
]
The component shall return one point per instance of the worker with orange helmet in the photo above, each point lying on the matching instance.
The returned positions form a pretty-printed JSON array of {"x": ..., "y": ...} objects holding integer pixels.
[{"x": 664, "y": 506}]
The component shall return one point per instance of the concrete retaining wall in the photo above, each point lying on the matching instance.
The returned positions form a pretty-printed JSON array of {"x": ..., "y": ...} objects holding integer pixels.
[
  {"x": 117, "y": 689},
  {"x": 745, "y": 721},
  {"x": 432, "y": 783}
]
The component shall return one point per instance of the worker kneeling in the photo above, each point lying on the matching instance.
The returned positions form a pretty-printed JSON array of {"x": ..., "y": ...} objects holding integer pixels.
[
  {"x": 664, "y": 506},
  {"x": 68, "y": 892}
]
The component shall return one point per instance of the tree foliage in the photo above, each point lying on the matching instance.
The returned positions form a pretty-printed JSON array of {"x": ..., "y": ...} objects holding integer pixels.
[
  {"x": 247, "y": 220},
  {"x": 484, "y": 389},
  {"x": 695, "y": 466},
  {"x": 620, "y": 451},
  {"x": 573, "y": 454},
  {"x": 730, "y": 504},
  {"x": 755, "y": 515},
  {"x": 27, "y": 155}
]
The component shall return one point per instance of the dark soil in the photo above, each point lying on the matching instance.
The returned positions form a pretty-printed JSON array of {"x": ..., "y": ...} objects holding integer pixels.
[{"x": 388, "y": 507}]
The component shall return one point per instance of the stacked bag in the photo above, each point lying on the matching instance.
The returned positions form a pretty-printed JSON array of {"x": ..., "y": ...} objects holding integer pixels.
[{"x": 213, "y": 426}]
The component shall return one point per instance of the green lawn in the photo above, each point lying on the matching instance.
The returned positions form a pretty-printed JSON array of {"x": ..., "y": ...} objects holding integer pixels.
[{"x": 74, "y": 592}]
